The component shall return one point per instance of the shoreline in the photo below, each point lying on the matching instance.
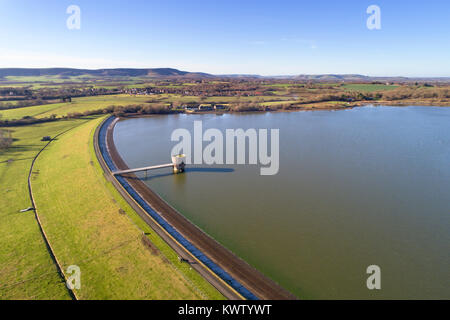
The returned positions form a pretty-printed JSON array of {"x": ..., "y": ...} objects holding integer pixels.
[
  {"x": 321, "y": 106},
  {"x": 250, "y": 281}
]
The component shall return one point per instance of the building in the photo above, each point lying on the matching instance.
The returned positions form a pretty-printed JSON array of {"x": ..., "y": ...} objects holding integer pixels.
[
  {"x": 220, "y": 107},
  {"x": 205, "y": 107}
]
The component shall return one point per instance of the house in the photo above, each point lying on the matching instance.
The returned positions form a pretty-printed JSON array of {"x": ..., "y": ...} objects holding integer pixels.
[
  {"x": 205, "y": 107},
  {"x": 220, "y": 107}
]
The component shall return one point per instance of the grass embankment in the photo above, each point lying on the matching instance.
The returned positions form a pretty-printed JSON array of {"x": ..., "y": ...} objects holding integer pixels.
[
  {"x": 80, "y": 212},
  {"x": 84, "y": 218},
  {"x": 26, "y": 268}
]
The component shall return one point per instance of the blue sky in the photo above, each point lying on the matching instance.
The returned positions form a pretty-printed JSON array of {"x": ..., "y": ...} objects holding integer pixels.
[{"x": 223, "y": 37}]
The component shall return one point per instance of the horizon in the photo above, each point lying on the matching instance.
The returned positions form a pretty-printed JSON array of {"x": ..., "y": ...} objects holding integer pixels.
[
  {"x": 251, "y": 38},
  {"x": 232, "y": 74}
]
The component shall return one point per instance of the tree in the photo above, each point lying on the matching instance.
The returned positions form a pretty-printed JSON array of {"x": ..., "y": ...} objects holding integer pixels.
[{"x": 5, "y": 139}]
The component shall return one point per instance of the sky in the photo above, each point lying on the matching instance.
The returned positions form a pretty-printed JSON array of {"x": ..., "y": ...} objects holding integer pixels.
[{"x": 231, "y": 37}]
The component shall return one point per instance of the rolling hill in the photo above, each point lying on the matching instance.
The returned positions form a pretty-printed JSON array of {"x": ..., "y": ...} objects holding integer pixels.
[
  {"x": 99, "y": 73},
  {"x": 164, "y": 73}
]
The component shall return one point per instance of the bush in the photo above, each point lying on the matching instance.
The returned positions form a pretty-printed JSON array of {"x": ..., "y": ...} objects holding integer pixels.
[{"x": 246, "y": 107}]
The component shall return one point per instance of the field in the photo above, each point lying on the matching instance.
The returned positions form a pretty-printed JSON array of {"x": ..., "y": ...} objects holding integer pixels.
[
  {"x": 83, "y": 104},
  {"x": 27, "y": 271},
  {"x": 77, "y": 105},
  {"x": 368, "y": 87},
  {"x": 104, "y": 238}
]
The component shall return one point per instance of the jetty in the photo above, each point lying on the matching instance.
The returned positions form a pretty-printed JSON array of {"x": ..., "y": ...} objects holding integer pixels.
[{"x": 178, "y": 164}]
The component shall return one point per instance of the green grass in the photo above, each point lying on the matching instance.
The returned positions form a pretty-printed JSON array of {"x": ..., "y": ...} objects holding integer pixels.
[
  {"x": 368, "y": 87},
  {"x": 56, "y": 81},
  {"x": 281, "y": 85},
  {"x": 95, "y": 103},
  {"x": 77, "y": 105},
  {"x": 34, "y": 111},
  {"x": 80, "y": 213},
  {"x": 79, "y": 210},
  {"x": 26, "y": 268}
]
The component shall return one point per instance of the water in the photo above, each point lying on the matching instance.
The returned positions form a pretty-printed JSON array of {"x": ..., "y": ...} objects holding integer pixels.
[{"x": 360, "y": 187}]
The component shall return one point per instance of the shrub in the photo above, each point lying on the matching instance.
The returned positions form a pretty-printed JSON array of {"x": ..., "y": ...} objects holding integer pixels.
[{"x": 5, "y": 139}]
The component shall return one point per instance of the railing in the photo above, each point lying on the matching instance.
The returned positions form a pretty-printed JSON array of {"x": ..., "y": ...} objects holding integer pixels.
[{"x": 168, "y": 165}]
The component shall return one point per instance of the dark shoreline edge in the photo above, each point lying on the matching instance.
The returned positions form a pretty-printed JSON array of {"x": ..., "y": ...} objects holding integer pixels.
[
  {"x": 360, "y": 104},
  {"x": 232, "y": 276}
]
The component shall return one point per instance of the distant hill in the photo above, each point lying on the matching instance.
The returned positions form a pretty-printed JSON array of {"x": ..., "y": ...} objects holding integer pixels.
[
  {"x": 337, "y": 78},
  {"x": 69, "y": 72},
  {"x": 308, "y": 77},
  {"x": 162, "y": 73},
  {"x": 358, "y": 78}
]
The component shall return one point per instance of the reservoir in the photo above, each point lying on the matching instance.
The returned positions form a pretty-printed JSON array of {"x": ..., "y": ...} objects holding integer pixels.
[{"x": 355, "y": 188}]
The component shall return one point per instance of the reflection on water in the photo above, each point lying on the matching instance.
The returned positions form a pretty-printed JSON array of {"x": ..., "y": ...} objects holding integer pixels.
[
  {"x": 181, "y": 177},
  {"x": 355, "y": 188}
]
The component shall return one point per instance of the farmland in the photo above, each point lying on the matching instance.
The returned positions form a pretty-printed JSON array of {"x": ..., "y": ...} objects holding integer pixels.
[
  {"x": 249, "y": 95},
  {"x": 78, "y": 105},
  {"x": 368, "y": 87}
]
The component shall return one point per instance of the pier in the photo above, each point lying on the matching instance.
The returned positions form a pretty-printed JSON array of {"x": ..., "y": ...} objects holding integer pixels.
[
  {"x": 178, "y": 164},
  {"x": 233, "y": 277}
]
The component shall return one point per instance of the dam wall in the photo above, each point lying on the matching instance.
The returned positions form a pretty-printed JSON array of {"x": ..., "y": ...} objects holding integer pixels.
[{"x": 107, "y": 125}]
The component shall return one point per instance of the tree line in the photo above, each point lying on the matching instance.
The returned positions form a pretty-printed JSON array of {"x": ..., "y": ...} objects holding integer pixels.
[{"x": 116, "y": 110}]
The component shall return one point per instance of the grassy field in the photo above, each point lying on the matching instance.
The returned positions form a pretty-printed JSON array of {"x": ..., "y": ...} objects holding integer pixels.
[
  {"x": 55, "y": 81},
  {"x": 77, "y": 105},
  {"x": 88, "y": 224},
  {"x": 27, "y": 270},
  {"x": 95, "y": 103},
  {"x": 368, "y": 87},
  {"x": 34, "y": 111},
  {"x": 276, "y": 103}
]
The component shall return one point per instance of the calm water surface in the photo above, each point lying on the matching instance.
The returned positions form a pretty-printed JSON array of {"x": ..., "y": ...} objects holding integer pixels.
[{"x": 355, "y": 188}]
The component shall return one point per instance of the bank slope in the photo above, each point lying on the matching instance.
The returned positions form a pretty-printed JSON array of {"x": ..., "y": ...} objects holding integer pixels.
[
  {"x": 87, "y": 226},
  {"x": 26, "y": 268}
]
